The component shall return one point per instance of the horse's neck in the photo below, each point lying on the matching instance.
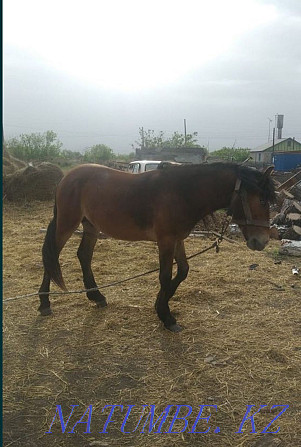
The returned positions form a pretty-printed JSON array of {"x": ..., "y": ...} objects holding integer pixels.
[{"x": 216, "y": 190}]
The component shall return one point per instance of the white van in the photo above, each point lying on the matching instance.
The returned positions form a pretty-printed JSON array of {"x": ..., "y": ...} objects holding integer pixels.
[{"x": 136, "y": 167}]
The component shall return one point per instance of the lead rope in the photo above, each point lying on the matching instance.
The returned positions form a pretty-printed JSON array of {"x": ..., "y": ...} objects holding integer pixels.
[
  {"x": 225, "y": 226},
  {"x": 215, "y": 245}
]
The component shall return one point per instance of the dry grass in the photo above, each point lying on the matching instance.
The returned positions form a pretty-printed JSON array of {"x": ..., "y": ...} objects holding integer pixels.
[{"x": 240, "y": 345}]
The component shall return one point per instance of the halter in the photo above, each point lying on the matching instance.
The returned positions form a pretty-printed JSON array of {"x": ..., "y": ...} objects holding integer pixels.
[{"x": 248, "y": 220}]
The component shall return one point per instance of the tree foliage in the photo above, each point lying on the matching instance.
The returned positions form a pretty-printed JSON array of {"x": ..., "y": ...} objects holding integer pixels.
[
  {"x": 69, "y": 155},
  {"x": 149, "y": 139},
  {"x": 35, "y": 146},
  {"x": 231, "y": 154},
  {"x": 126, "y": 157},
  {"x": 99, "y": 153}
]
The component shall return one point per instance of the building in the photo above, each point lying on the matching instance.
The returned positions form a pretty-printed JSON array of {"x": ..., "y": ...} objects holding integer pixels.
[
  {"x": 179, "y": 154},
  {"x": 285, "y": 154}
]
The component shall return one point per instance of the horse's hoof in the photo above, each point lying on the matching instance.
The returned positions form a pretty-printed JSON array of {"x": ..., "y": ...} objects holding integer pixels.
[
  {"x": 46, "y": 311},
  {"x": 101, "y": 303},
  {"x": 174, "y": 328}
]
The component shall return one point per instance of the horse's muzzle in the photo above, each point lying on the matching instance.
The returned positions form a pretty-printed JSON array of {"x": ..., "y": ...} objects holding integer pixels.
[{"x": 255, "y": 244}]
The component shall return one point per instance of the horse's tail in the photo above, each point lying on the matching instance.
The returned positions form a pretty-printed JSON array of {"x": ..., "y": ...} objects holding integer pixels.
[{"x": 50, "y": 253}]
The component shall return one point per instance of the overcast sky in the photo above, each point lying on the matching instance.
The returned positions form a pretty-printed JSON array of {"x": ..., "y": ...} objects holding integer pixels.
[{"x": 95, "y": 71}]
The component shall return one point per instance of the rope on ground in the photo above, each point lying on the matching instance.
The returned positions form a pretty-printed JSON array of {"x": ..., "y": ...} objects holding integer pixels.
[{"x": 114, "y": 283}]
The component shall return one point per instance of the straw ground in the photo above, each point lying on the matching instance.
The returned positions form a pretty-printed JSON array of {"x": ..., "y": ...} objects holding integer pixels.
[{"x": 240, "y": 344}]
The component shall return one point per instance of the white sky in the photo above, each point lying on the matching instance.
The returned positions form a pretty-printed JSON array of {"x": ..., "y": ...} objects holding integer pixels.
[{"x": 96, "y": 71}]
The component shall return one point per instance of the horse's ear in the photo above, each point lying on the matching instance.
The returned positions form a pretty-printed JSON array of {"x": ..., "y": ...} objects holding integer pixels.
[{"x": 268, "y": 171}]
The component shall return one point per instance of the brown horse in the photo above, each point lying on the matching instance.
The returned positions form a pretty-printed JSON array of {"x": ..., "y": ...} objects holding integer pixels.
[{"x": 161, "y": 206}]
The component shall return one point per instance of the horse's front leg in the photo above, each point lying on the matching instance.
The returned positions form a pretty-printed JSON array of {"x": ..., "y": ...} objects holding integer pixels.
[
  {"x": 183, "y": 267},
  {"x": 166, "y": 255}
]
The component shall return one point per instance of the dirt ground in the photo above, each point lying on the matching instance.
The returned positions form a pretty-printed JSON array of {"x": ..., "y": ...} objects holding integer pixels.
[{"x": 240, "y": 345}]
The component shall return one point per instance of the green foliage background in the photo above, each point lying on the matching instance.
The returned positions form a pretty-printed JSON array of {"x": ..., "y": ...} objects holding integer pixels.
[
  {"x": 231, "y": 154},
  {"x": 35, "y": 146},
  {"x": 47, "y": 146}
]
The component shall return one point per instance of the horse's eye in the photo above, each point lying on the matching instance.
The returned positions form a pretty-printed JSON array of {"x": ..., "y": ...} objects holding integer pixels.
[{"x": 263, "y": 202}]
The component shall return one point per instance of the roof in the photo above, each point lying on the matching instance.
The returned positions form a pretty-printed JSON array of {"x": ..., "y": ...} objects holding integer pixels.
[
  {"x": 145, "y": 161},
  {"x": 268, "y": 145}
]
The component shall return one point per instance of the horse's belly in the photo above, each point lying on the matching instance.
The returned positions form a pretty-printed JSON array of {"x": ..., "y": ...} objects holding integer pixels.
[
  {"x": 121, "y": 228},
  {"x": 133, "y": 236}
]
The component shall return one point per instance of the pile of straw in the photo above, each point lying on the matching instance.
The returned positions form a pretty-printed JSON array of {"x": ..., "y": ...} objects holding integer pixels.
[{"x": 32, "y": 183}]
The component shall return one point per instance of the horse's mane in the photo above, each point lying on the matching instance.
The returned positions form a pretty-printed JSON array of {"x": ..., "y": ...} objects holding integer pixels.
[
  {"x": 255, "y": 181},
  {"x": 252, "y": 179}
]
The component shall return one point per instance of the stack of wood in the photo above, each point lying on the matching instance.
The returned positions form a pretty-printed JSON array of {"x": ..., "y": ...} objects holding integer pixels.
[
  {"x": 288, "y": 220},
  {"x": 290, "y": 189}
]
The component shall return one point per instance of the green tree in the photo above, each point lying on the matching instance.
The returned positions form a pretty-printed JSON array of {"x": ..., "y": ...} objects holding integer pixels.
[
  {"x": 35, "y": 146},
  {"x": 231, "y": 154},
  {"x": 99, "y": 153},
  {"x": 149, "y": 139},
  {"x": 178, "y": 140},
  {"x": 71, "y": 155},
  {"x": 126, "y": 157}
]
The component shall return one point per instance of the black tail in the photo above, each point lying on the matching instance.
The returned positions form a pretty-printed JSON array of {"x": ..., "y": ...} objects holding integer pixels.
[{"x": 50, "y": 254}]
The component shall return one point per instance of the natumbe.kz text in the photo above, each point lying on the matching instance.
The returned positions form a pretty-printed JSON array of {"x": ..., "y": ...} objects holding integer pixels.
[{"x": 172, "y": 419}]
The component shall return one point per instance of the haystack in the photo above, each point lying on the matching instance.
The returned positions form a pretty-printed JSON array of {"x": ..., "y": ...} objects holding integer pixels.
[
  {"x": 11, "y": 164},
  {"x": 32, "y": 183}
]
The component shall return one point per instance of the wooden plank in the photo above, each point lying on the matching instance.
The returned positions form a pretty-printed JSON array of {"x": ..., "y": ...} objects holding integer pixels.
[
  {"x": 287, "y": 194},
  {"x": 290, "y": 182},
  {"x": 224, "y": 237},
  {"x": 297, "y": 205},
  {"x": 215, "y": 233},
  {"x": 297, "y": 229},
  {"x": 293, "y": 216}
]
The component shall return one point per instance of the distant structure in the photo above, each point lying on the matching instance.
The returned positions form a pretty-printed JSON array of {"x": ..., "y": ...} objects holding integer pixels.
[
  {"x": 178, "y": 154},
  {"x": 285, "y": 154},
  {"x": 279, "y": 126}
]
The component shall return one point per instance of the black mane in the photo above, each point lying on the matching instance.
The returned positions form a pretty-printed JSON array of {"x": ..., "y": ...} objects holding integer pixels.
[
  {"x": 252, "y": 179},
  {"x": 255, "y": 181}
]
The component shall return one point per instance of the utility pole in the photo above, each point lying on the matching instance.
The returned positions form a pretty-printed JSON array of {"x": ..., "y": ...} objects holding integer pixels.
[
  {"x": 273, "y": 145},
  {"x": 142, "y": 137},
  {"x": 185, "y": 133},
  {"x": 269, "y": 128}
]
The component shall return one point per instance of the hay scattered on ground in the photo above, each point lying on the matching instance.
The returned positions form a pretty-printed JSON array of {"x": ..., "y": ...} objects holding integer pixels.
[
  {"x": 240, "y": 345},
  {"x": 32, "y": 183}
]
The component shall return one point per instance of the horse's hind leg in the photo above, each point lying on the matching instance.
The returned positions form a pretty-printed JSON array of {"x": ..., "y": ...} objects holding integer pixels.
[
  {"x": 85, "y": 253},
  {"x": 44, "y": 296},
  {"x": 51, "y": 264},
  {"x": 58, "y": 232}
]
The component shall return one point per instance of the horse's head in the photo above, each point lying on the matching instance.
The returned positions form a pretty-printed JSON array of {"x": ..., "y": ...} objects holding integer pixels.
[{"x": 250, "y": 205}]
